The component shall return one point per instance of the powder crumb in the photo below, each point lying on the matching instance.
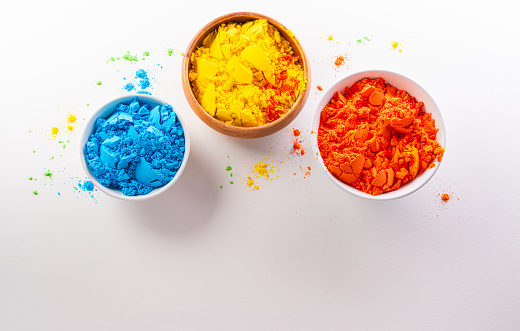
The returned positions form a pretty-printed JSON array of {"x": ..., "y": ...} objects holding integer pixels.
[
  {"x": 129, "y": 57},
  {"x": 228, "y": 168},
  {"x": 395, "y": 44},
  {"x": 30, "y": 178},
  {"x": 71, "y": 118},
  {"x": 48, "y": 173},
  {"x": 296, "y": 132},
  {"x": 445, "y": 197},
  {"x": 231, "y": 182},
  {"x": 99, "y": 82},
  {"x": 296, "y": 145},
  {"x": 35, "y": 192},
  {"x": 170, "y": 51},
  {"x": 320, "y": 88},
  {"x": 220, "y": 186},
  {"x": 129, "y": 87},
  {"x": 330, "y": 38},
  {"x": 146, "y": 53},
  {"x": 55, "y": 130},
  {"x": 182, "y": 54},
  {"x": 70, "y": 127},
  {"x": 339, "y": 61}
]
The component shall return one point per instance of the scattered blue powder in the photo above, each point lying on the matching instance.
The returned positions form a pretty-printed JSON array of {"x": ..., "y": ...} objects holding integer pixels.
[
  {"x": 137, "y": 149},
  {"x": 88, "y": 185},
  {"x": 141, "y": 83},
  {"x": 144, "y": 81}
]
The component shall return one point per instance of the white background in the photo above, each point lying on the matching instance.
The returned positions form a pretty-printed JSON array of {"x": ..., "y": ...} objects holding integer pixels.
[{"x": 298, "y": 254}]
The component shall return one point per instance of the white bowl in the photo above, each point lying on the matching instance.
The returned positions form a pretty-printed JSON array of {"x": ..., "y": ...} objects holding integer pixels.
[
  {"x": 402, "y": 83},
  {"x": 105, "y": 112}
]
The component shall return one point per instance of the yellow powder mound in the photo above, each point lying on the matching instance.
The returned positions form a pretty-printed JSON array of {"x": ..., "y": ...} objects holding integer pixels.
[{"x": 246, "y": 74}]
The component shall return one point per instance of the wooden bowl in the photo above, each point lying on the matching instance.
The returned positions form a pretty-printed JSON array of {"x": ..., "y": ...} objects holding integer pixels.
[{"x": 237, "y": 131}]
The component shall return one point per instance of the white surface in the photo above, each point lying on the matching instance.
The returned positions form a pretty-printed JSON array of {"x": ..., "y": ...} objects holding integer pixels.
[{"x": 299, "y": 254}]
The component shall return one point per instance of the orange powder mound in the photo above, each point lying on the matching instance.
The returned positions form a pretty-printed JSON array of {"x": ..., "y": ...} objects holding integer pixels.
[
  {"x": 339, "y": 60},
  {"x": 376, "y": 138},
  {"x": 445, "y": 197},
  {"x": 320, "y": 87}
]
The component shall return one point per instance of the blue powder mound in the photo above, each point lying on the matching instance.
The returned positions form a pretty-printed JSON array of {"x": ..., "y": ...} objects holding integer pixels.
[
  {"x": 129, "y": 87},
  {"x": 88, "y": 185},
  {"x": 137, "y": 149}
]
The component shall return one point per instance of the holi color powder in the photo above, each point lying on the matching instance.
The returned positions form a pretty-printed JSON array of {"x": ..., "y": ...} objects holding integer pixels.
[
  {"x": 170, "y": 51},
  {"x": 35, "y": 192},
  {"x": 99, "y": 82}
]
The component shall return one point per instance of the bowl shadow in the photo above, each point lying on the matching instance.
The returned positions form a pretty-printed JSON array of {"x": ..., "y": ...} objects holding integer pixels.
[{"x": 185, "y": 208}]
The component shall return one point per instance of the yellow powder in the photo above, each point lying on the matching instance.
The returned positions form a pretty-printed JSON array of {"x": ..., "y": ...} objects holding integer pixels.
[
  {"x": 246, "y": 74},
  {"x": 72, "y": 119},
  {"x": 70, "y": 127},
  {"x": 395, "y": 44},
  {"x": 261, "y": 169},
  {"x": 55, "y": 130}
]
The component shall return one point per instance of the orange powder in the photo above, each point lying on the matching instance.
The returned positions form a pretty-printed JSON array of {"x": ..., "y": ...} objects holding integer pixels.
[
  {"x": 445, "y": 197},
  {"x": 376, "y": 138},
  {"x": 339, "y": 60}
]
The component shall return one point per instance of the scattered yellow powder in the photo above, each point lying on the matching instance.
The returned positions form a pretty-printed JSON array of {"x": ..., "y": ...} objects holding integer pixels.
[
  {"x": 246, "y": 74},
  {"x": 329, "y": 37},
  {"x": 395, "y": 44},
  {"x": 55, "y": 130},
  {"x": 70, "y": 127},
  {"x": 72, "y": 118},
  {"x": 262, "y": 169}
]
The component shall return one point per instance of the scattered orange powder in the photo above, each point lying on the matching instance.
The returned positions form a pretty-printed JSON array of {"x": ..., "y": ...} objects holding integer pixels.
[
  {"x": 376, "y": 138},
  {"x": 339, "y": 61},
  {"x": 296, "y": 132},
  {"x": 320, "y": 88},
  {"x": 445, "y": 197}
]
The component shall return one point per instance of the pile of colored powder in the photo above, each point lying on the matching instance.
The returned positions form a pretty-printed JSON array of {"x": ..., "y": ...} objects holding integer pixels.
[
  {"x": 339, "y": 60},
  {"x": 137, "y": 149},
  {"x": 445, "y": 197},
  {"x": 246, "y": 74},
  {"x": 87, "y": 185},
  {"x": 376, "y": 138},
  {"x": 143, "y": 82}
]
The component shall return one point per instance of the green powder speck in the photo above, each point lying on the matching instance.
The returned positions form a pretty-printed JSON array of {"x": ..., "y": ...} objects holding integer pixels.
[
  {"x": 34, "y": 151},
  {"x": 359, "y": 41},
  {"x": 30, "y": 178},
  {"x": 35, "y": 192},
  {"x": 220, "y": 186},
  {"x": 366, "y": 38},
  {"x": 228, "y": 168},
  {"x": 64, "y": 145},
  {"x": 170, "y": 51},
  {"x": 146, "y": 53},
  {"x": 231, "y": 175},
  {"x": 129, "y": 57},
  {"x": 231, "y": 182},
  {"x": 99, "y": 82},
  {"x": 112, "y": 58},
  {"x": 48, "y": 173},
  {"x": 88, "y": 104}
]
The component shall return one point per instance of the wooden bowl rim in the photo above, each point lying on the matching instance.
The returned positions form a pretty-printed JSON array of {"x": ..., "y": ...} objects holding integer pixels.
[{"x": 237, "y": 131}]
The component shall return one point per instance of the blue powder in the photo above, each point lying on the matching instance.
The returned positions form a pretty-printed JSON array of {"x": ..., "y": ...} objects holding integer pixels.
[
  {"x": 88, "y": 185},
  {"x": 144, "y": 81},
  {"x": 137, "y": 149},
  {"x": 129, "y": 87}
]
